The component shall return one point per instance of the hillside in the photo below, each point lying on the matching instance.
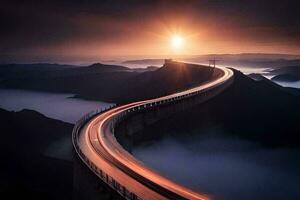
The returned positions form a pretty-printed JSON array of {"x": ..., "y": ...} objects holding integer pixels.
[
  {"x": 170, "y": 78},
  {"x": 256, "y": 110},
  {"x": 110, "y": 83},
  {"x": 25, "y": 137}
]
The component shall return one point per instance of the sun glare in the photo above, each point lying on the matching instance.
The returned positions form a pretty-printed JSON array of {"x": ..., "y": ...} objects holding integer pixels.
[{"x": 177, "y": 41}]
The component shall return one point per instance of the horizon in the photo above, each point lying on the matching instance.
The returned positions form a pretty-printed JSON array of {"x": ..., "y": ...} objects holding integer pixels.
[{"x": 73, "y": 60}]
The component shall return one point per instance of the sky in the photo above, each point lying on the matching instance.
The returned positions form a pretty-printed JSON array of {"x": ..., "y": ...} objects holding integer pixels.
[{"x": 73, "y": 29}]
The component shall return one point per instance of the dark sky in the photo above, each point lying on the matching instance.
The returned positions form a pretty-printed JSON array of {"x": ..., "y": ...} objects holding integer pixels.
[{"x": 60, "y": 29}]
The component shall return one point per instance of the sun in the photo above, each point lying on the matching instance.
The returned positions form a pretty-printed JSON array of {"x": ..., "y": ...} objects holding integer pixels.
[{"x": 177, "y": 41}]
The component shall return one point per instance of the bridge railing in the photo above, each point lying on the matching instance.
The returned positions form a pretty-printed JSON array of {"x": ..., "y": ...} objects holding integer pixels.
[{"x": 122, "y": 190}]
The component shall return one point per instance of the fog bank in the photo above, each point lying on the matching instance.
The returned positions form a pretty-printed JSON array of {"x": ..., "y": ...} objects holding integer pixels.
[{"x": 226, "y": 168}]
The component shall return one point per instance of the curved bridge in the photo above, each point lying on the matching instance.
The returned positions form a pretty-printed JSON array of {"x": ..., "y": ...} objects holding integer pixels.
[{"x": 95, "y": 143}]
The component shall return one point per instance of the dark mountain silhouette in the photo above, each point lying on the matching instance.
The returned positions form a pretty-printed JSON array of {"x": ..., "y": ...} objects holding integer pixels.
[
  {"x": 111, "y": 83},
  {"x": 256, "y": 76},
  {"x": 87, "y": 82},
  {"x": 262, "y": 79},
  {"x": 256, "y": 110},
  {"x": 171, "y": 77},
  {"x": 104, "y": 67},
  {"x": 25, "y": 136},
  {"x": 24, "y": 70}
]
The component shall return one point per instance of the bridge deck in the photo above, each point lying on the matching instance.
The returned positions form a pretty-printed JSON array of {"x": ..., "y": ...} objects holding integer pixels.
[{"x": 97, "y": 146}]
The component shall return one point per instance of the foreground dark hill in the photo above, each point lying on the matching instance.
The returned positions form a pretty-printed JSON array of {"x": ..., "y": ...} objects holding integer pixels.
[
  {"x": 108, "y": 82},
  {"x": 254, "y": 110},
  {"x": 25, "y": 171}
]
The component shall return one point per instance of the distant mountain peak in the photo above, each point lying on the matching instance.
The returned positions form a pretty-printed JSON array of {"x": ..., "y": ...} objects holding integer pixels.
[
  {"x": 96, "y": 65},
  {"x": 106, "y": 67}
]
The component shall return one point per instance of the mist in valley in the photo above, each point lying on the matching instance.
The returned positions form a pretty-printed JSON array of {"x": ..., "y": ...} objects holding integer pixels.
[{"x": 224, "y": 167}]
